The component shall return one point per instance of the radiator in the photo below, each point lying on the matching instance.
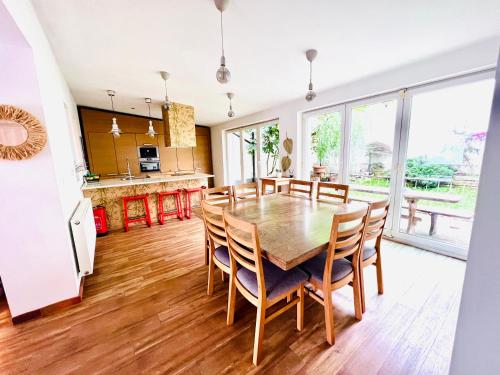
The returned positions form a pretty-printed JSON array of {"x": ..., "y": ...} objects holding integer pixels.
[{"x": 84, "y": 236}]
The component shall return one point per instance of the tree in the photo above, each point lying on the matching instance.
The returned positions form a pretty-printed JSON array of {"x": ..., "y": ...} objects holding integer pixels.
[
  {"x": 270, "y": 145},
  {"x": 326, "y": 137}
]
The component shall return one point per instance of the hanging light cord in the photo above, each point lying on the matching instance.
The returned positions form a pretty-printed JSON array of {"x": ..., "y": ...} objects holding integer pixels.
[
  {"x": 149, "y": 110},
  {"x": 310, "y": 72},
  {"x": 112, "y": 104},
  {"x": 222, "y": 34},
  {"x": 166, "y": 92}
]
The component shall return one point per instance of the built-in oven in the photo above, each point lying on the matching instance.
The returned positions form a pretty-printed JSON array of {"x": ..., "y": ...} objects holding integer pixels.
[
  {"x": 149, "y": 166},
  {"x": 149, "y": 158}
]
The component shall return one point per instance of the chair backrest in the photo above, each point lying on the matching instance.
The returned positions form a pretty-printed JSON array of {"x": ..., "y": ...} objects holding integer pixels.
[
  {"x": 329, "y": 190},
  {"x": 300, "y": 187},
  {"x": 244, "y": 249},
  {"x": 246, "y": 191},
  {"x": 376, "y": 221},
  {"x": 269, "y": 182},
  {"x": 214, "y": 223},
  {"x": 218, "y": 195},
  {"x": 346, "y": 238}
]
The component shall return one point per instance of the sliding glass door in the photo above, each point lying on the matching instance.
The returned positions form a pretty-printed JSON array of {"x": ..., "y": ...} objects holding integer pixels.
[
  {"x": 251, "y": 152},
  {"x": 323, "y": 135},
  {"x": 421, "y": 148},
  {"x": 445, "y": 127}
]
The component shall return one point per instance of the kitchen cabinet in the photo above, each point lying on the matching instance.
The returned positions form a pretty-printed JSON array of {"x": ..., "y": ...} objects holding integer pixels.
[
  {"x": 102, "y": 153},
  {"x": 126, "y": 149},
  {"x": 108, "y": 155}
]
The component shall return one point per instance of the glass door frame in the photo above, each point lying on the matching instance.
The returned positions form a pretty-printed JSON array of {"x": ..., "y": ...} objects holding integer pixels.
[
  {"x": 257, "y": 126},
  {"x": 306, "y": 137},
  {"x": 440, "y": 247},
  {"x": 395, "y": 95}
]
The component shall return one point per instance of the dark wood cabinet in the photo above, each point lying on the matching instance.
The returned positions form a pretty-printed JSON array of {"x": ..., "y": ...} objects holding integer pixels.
[{"x": 108, "y": 155}]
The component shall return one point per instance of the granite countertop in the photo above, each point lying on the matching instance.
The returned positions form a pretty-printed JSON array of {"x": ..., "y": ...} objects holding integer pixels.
[{"x": 154, "y": 179}]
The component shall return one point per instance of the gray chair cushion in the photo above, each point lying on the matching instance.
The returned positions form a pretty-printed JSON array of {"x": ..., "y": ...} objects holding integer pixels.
[
  {"x": 222, "y": 255},
  {"x": 277, "y": 281},
  {"x": 369, "y": 251},
  {"x": 315, "y": 268}
]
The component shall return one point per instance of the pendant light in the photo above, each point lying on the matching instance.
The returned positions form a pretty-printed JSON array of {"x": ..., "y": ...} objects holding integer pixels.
[
  {"x": 310, "y": 56},
  {"x": 115, "y": 130},
  {"x": 151, "y": 130},
  {"x": 230, "y": 96},
  {"x": 223, "y": 74},
  {"x": 165, "y": 76}
]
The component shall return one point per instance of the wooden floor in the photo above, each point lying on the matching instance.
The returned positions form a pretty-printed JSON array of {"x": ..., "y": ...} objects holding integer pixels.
[{"x": 145, "y": 310}]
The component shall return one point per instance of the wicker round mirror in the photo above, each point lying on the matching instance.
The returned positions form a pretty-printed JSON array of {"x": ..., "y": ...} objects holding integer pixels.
[{"x": 21, "y": 135}]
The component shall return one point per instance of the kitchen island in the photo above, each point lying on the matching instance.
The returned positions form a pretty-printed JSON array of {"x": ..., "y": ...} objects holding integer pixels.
[{"x": 109, "y": 193}]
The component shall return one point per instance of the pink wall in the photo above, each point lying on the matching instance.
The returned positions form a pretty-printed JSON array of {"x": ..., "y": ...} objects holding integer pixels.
[{"x": 36, "y": 257}]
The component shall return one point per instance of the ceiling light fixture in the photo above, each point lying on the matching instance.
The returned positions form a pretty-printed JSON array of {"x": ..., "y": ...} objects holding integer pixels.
[
  {"x": 115, "y": 130},
  {"x": 223, "y": 74},
  {"x": 310, "y": 56},
  {"x": 165, "y": 76},
  {"x": 151, "y": 130},
  {"x": 230, "y": 96}
]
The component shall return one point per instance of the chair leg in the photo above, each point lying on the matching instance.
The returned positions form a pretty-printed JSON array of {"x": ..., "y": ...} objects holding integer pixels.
[
  {"x": 330, "y": 326},
  {"x": 362, "y": 289},
  {"x": 358, "y": 309},
  {"x": 207, "y": 248},
  {"x": 211, "y": 270},
  {"x": 259, "y": 334},
  {"x": 380, "y": 281},
  {"x": 223, "y": 275},
  {"x": 231, "y": 299},
  {"x": 300, "y": 308}
]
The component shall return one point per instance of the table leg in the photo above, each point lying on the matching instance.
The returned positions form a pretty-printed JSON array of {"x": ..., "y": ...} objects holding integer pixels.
[{"x": 412, "y": 210}]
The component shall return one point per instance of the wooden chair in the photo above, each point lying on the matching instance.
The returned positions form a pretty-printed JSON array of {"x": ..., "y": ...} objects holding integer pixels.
[
  {"x": 371, "y": 252},
  {"x": 328, "y": 190},
  {"x": 330, "y": 270},
  {"x": 300, "y": 187},
  {"x": 218, "y": 252},
  {"x": 259, "y": 281},
  {"x": 217, "y": 195},
  {"x": 272, "y": 183},
  {"x": 246, "y": 191}
]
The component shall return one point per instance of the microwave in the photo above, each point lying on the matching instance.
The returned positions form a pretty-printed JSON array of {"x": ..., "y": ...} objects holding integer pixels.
[{"x": 148, "y": 153}]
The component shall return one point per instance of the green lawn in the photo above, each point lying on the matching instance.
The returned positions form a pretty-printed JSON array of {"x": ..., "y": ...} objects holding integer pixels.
[{"x": 468, "y": 194}]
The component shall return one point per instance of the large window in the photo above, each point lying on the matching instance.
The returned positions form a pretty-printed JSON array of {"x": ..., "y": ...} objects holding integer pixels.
[
  {"x": 252, "y": 152},
  {"x": 421, "y": 148}
]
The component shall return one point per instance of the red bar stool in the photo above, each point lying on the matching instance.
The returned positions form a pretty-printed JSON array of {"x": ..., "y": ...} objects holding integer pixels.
[
  {"x": 176, "y": 194},
  {"x": 146, "y": 218},
  {"x": 188, "y": 210}
]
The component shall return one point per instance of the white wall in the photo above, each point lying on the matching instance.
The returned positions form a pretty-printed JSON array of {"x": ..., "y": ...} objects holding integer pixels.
[
  {"x": 477, "y": 345},
  {"x": 475, "y": 57},
  {"x": 38, "y": 195}
]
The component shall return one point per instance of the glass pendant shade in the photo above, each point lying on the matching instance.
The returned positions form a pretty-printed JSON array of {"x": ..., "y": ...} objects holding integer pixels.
[
  {"x": 151, "y": 130},
  {"x": 115, "y": 130},
  {"x": 223, "y": 74},
  {"x": 230, "y": 113},
  {"x": 310, "y": 95}
]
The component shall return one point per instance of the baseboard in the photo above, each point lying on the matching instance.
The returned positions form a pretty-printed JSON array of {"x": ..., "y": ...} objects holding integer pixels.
[{"x": 44, "y": 311}]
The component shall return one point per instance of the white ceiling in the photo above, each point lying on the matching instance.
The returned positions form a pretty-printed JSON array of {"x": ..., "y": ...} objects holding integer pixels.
[{"x": 123, "y": 44}]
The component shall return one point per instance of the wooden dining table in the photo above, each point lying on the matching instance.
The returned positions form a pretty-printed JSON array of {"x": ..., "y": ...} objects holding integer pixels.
[{"x": 292, "y": 229}]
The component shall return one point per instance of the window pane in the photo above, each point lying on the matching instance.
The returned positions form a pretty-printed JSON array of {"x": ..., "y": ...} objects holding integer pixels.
[
  {"x": 448, "y": 129},
  {"x": 233, "y": 157},
  {"x": 371, "y": 149},
  {"x": 324, "y": 145},
  {"x": 269, "y": 149},
  {"x": 249, "y": 156}
]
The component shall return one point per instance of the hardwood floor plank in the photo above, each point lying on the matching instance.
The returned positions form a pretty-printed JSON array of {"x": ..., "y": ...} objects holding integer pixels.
[{"x": 145, "y": 310}]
